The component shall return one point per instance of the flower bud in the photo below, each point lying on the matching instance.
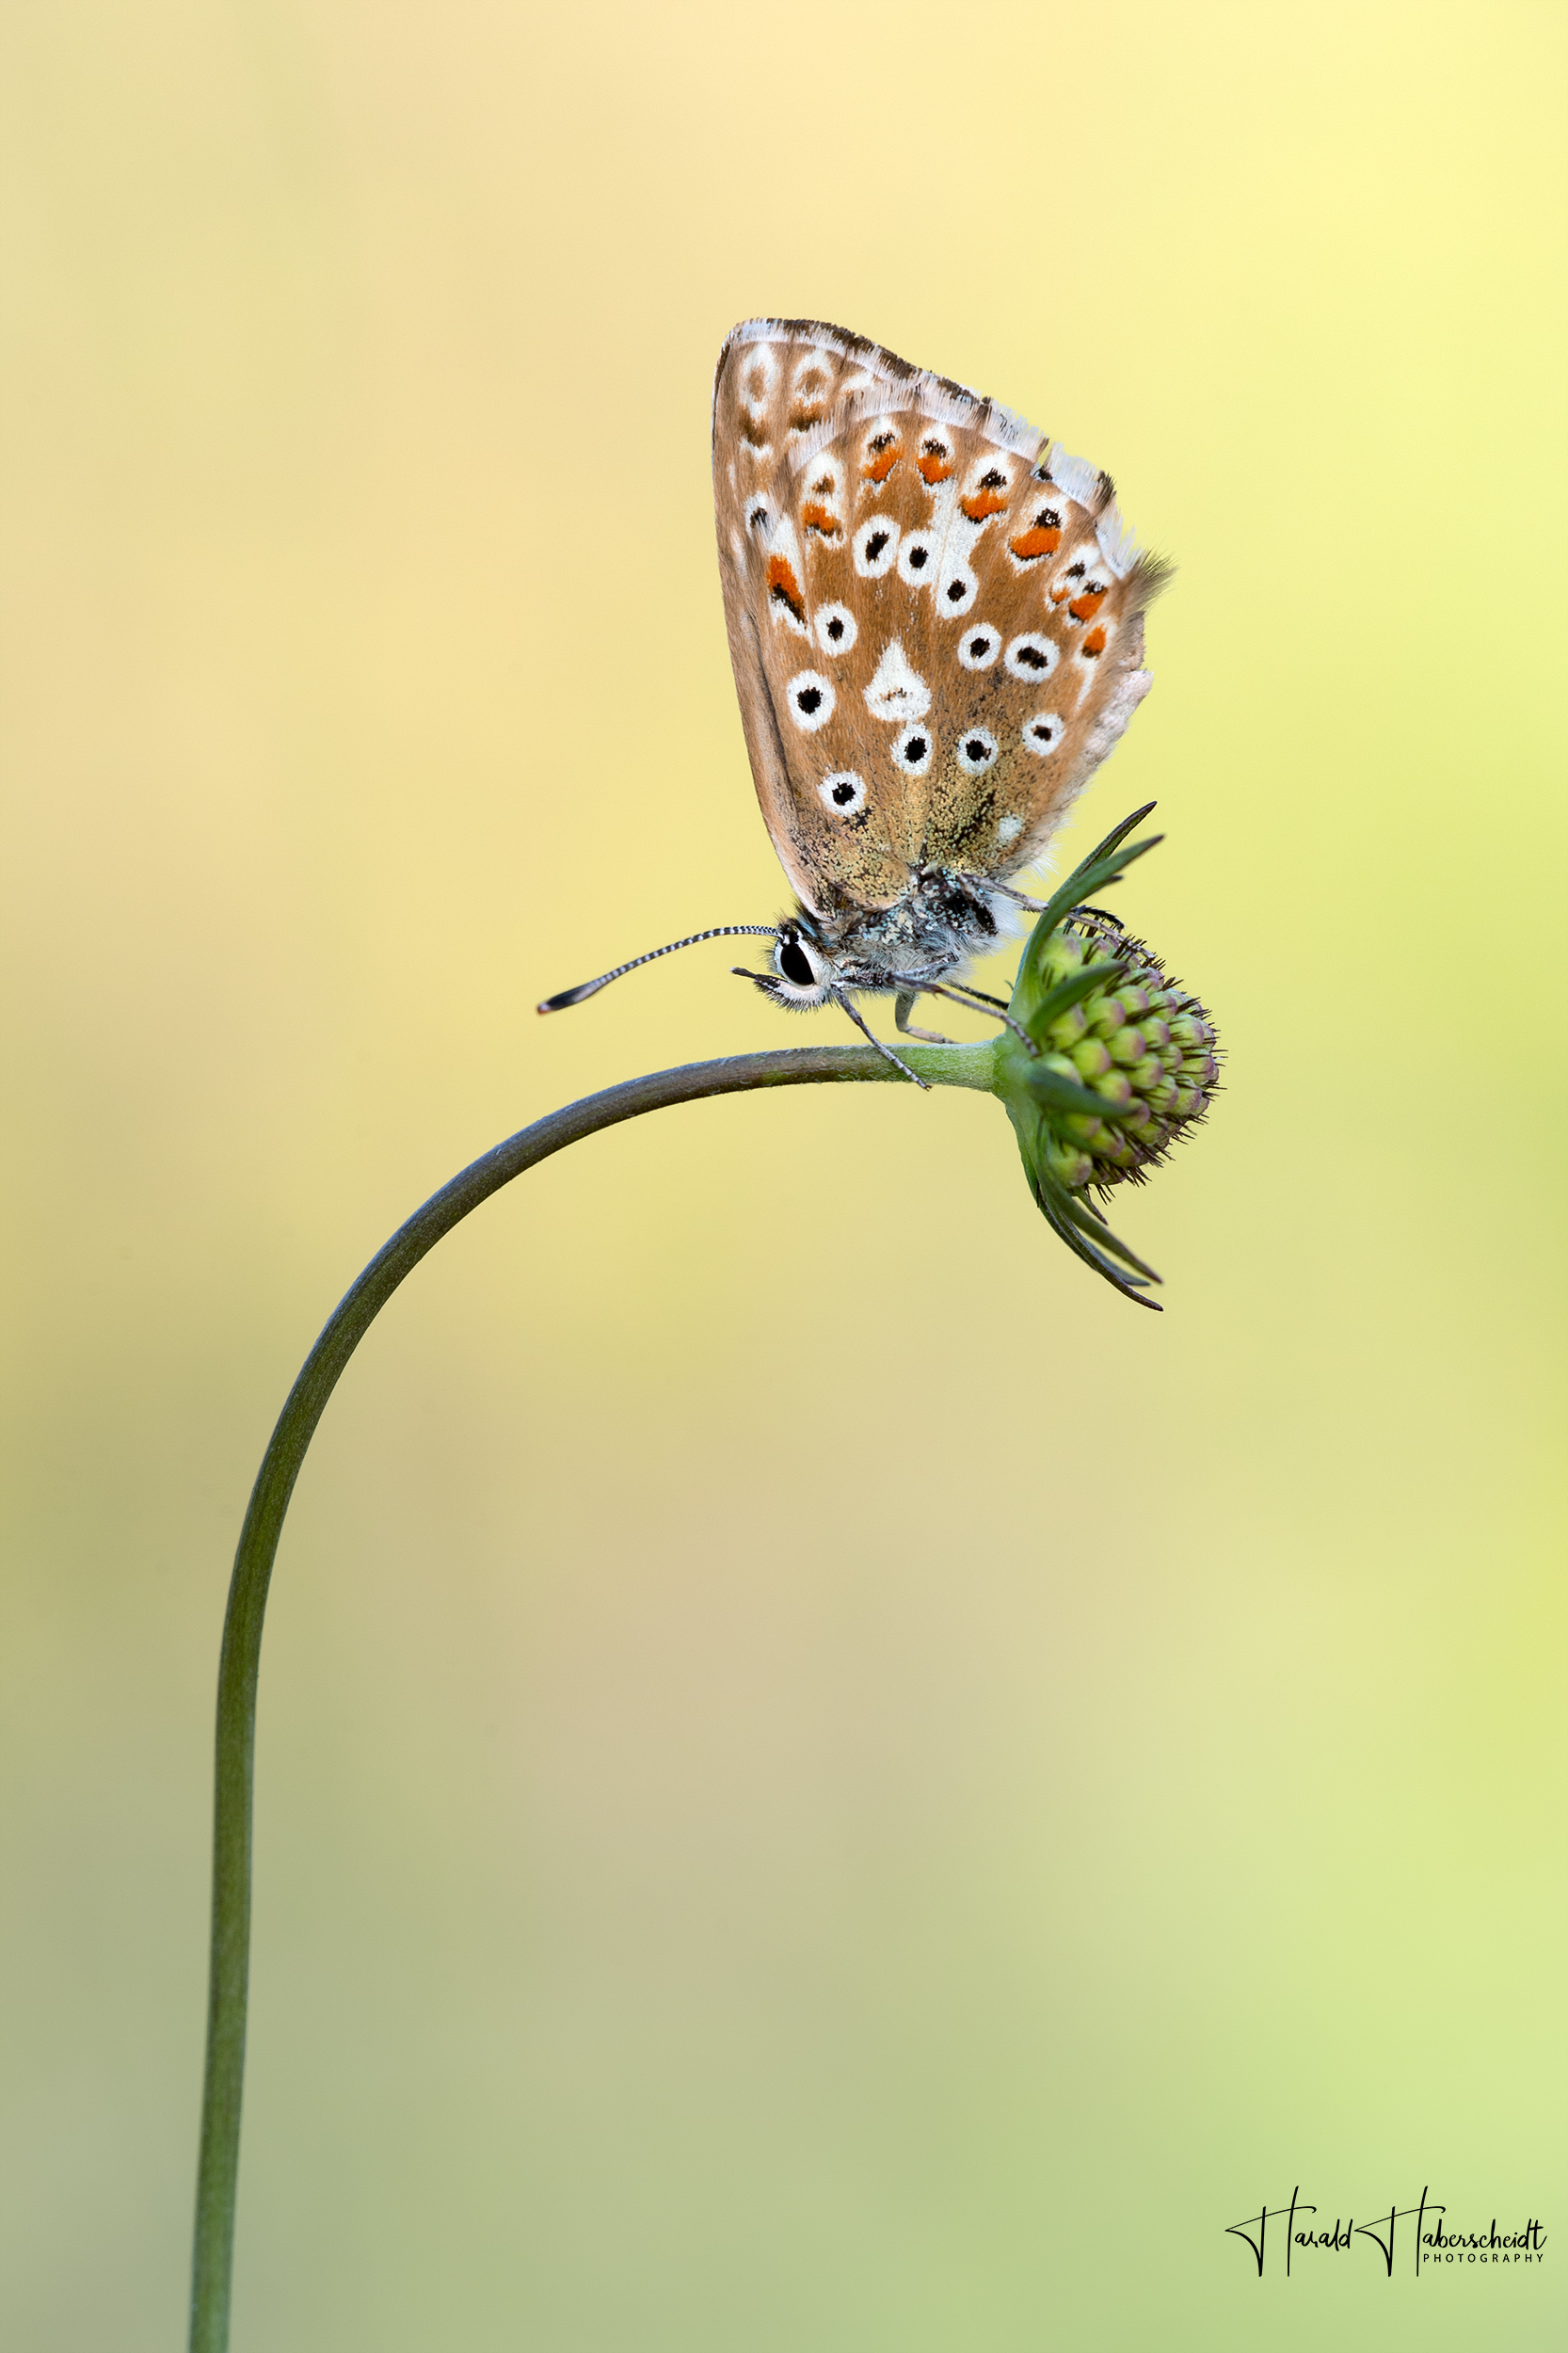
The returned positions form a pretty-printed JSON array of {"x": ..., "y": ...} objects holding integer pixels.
[{"x": 1123, "y": 1061}]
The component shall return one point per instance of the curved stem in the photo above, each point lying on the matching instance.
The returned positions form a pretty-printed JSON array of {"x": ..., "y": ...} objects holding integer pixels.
[{"x": 943, "y": 1065}]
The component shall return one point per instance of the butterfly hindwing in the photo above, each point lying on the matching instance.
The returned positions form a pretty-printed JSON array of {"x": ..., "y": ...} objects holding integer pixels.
[{"x": 935, "y": 616}]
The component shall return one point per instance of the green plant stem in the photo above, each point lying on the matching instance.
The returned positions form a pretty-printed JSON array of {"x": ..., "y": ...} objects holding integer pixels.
[{"x": 941, "y": 1065}]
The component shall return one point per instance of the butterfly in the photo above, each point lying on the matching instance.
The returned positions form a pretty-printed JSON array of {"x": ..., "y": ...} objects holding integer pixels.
[{"x": 935, "y": 622}]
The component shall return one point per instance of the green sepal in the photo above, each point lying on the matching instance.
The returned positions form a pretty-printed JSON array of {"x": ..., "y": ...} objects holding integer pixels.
[
  {"x": 1055, "y": 1203},
  {"x": 1102, "y": 867},
  {"x": 1094, "y": 875},
  {"x": 1103, "y": 863},
  {"x": 1089, "y": 1222}
]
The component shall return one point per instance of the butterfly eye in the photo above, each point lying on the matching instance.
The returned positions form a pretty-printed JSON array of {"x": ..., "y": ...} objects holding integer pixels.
[
  {"x": 913, "y": 751},
  {"x": 1032, "y": 656},
  {"x": 837, "y": 627},
  {"x": 811, "y": 700},
  {"x": 916, "y": 556},
  {"x": 977, "y": 751},
  {"x": 875, "y": 547},
  {"x": 1042, "y": 733},
  {"x": 978, "y": 648},
  {"x": 794, "y": 964},
  {"x": 845, "y": 792}
]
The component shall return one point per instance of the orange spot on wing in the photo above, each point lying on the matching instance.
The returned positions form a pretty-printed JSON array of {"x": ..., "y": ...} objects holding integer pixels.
[
  {"x": 1029, "y": 545},
  {"x": 1084, "y": 608},
  {"x": 821, "y": 518},
  {"x": 1093, "y": 645},
  {"x": 783, "y": 586},
  {"x": 933, "y": 467},
  {"x": 881, "y": 466},
  {"x": 982, "y": 503}
]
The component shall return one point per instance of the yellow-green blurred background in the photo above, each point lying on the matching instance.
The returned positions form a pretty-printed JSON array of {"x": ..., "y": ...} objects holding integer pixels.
[{"x": 824, "y": 1782}]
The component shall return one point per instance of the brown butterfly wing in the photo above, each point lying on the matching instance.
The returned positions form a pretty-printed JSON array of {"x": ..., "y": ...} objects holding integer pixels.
[
  {"x": 934, "y": 618},
  {"x": 777, "y": 384},
  {"x": 1038, "y": 608}
]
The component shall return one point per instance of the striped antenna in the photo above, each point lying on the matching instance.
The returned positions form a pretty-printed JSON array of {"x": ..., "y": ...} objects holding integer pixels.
[{"x": 720, "y": 931}]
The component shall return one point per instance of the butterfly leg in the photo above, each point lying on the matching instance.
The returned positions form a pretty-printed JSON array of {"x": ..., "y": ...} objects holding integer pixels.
[
  {"x": 977, "y": 885},
  {"x": 940, "y": 988},
  {"x": 886, "y": 1052},
  {"x": 903, "y": 1005}
]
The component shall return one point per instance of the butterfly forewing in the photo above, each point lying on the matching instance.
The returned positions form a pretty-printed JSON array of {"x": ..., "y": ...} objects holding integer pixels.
[{"x": 935, "y": 614}]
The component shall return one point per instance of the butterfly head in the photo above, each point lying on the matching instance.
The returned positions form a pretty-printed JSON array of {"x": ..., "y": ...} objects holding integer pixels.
[
  {"x": 929, "y": 932},
  {"x": 803, "y": 974}
]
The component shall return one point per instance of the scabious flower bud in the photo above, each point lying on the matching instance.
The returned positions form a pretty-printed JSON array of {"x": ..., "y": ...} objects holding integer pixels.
[
  {"x": 1116, "y": 1061},
  {"x": 1145, "y": 1034}
]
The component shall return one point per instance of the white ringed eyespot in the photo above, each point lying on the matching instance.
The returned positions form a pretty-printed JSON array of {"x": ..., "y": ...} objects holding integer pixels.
[
  {"x": 1043, "y": 734},
  {"x": 811, "y": 700},
  {"x": 916, "y": 558},
  {"x": 958, "y": 593},
  {"x": 837, "y": 627},
  {"x": 978, "y": 648},
  {"x": 977, "y": 751},
  {"x": 845, "y": 792},
  {"x": 876, "y": 546},
  {"x": 912, "y": 752},
  {"x": 1032, "y": 655}
]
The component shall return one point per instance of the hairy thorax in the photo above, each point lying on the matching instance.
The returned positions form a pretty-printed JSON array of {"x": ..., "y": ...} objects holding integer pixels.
[{"x": 939, "y": 924}]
